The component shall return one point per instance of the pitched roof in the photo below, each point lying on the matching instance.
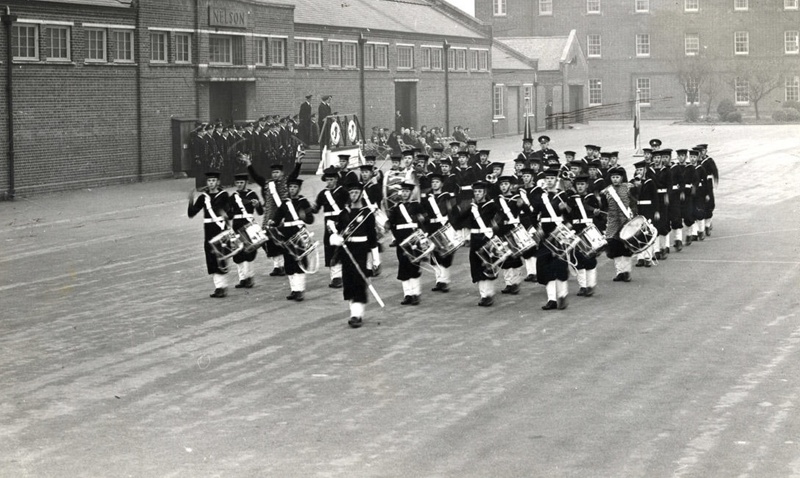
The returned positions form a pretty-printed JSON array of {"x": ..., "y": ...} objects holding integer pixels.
[
  {"x": 548, "y": 50},
  {"x": 407, "y": 16},
  {"x": 506, "y": 58},
  {"x": 95, "y": 3}
]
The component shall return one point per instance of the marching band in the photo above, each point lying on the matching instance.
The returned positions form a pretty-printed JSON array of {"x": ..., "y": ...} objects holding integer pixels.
[{"x": 542, "y": 223}]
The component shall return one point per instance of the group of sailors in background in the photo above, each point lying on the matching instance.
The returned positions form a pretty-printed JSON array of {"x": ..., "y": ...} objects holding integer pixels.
[{"x": 531, "y": 224}]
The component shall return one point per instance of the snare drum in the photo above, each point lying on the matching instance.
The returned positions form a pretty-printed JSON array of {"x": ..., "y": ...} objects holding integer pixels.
[
  {"x": 519, "y": 240},
  {"x": 226, "y": 244},
  {"x": 300, "y": 244},
  {"x": 562, "y": 241},
  {"x": 417, "y": 246},
  {"x": 446, "y": 240},
  {"x": 593, "y": 242},
  {"x": 494, "y": 252},
  {"x": 638, "y": 234},
  {"x": 252, "y": 236}
]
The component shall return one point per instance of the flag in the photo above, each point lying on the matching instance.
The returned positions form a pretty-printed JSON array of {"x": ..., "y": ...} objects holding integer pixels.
[{"x": 637, "y": 112}]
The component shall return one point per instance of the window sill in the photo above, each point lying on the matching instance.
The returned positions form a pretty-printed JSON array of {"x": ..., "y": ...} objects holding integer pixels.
[
  {"x": 498, "y": 117},
  {"x": 44, "y": 62},
  {"x": 108, "y": 63}
]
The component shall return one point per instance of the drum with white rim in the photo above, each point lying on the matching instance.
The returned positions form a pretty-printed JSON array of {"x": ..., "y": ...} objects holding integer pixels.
[
  {"x": 638, "y": 234},
  {"x": 562, "y": 241},
  {"x": 226, "y": 244},
  {"x": 417, "y": 246},
  {"x": 494, "y": 253},
  {"x": 519, "y": 240},
  {"x": 446, "y": 240},
  {"x": 593, "y": 242},
  {"x": 252, "y": 236}
]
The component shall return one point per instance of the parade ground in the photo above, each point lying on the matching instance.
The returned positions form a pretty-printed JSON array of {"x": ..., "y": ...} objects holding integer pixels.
[{"x": 116, "y": 363}]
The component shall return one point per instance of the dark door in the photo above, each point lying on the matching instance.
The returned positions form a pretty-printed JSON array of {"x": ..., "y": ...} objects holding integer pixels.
[
  {"x": 576, "y": 102},
  {"x": 512, "y": 103},
  {"x": 405, "y": 105},
  {"x": 227, "y": 101}
]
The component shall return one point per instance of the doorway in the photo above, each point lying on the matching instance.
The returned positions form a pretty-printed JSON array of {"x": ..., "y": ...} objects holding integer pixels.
[
  {"x": 576, "y": 103},
  {"x": 512, "y": 94},
  {"x": 227, "y": 101},
  {"x": 405, "y": 105}
]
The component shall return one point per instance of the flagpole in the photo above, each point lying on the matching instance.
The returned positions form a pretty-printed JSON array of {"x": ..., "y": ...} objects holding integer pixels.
[{"x": 637, "y": 120}]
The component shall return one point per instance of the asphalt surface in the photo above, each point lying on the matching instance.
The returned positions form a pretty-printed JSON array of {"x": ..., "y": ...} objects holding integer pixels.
[{"x": 115, "y": 362}]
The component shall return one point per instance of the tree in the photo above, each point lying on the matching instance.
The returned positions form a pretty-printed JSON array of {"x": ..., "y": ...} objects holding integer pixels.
[{"x": 761, "y": 75}]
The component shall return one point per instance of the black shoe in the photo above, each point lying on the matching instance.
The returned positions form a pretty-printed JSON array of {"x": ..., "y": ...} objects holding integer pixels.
[
  {"x": 368, "y": 273},
  {"x": 530, "y": 278},
  {"x": 241, "y": 285},
  {"x": 701, "y": 236},
  {"x": 708, "y": 231},
  {"x": 407, "y": 300},
  {"x": 640, "y": 263},
  {"x": 486, "y": 301},
  {"x": 666, "y": 251},
  {"x": 581, "y": 292},
  {"x": 678, "y": 246},
  {"x": 290, "y": 296},
  {"x": 441, "y": 287},
  {"x": 689, "y": 240},
  {"x": 376, "y": 270},
  {"x": 511, "y": 289},
  {"x": 249, "y": 283},
  {"x": 550, "y": 305},
  {"x": 658, "y": 255},
  {"x": 627, "y": 277},
  {"x": 299, "y": 296},
  {"x": 219, "y": 292},
  {"x": 562, "y": 303},
  {"x": 336, "y": 283},
  {"x": 620, "y": 277},
  {"x": 648, "y": 263},
  {"x": 355, "y": 322},
  {"x": 589, "y": 292},
  {"x": 278, "y": 272},
  {"x": 414, "y": 300}
]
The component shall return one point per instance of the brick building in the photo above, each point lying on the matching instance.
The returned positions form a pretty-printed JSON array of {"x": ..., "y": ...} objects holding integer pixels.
[
  {"x": 99, "y": 85},
  {"x": 674, "y": 53}
]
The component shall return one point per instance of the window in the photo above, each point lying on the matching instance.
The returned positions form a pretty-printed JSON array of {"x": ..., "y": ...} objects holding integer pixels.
[
  {"x": 642, "y": 45},
  {"x": 299, "y": 53},
  {"x": 436, "y": 59},
  {"x": 277, "y": 52},
  {"x": 593, "y": 45},
  {"x": 349, "y": 55},
  {"x": 57, "y": 41},
  {"x": 595, "y": 92},
  {"x": 741, "y": 43},
  {"x": 25, "y": 42},
  {"x": 691, "y": 5},
  {"x": 457, "y": 59},
  {"x": 158, "y": 47},
  {"x": 426, "y": 58},
  {"x": 314, "y": 53},
  {"x": 691, "y": 91},
  {"x": 643, "y": 86},
  {"x": 123, "y": 45},
  {"x": 740, "y": 5},
  {"x": 335, "y": 57},
  {"x": 499, "y": 8},
  {"x": 527, "y": 96},
  {"x": 220, "y": 50},
  {"x": 593, "y": 6},
  {"x": 791, "y": 41},
  {"x": 498, "y": 101},
  {"x": 545, "y": 7},
  {"x": 793, "y": 89},
  {"x": 382, "y": 56},
  {"x": 96, "y": 45},
  {"x": 790, "y": 4},
  {"x": 369, "y": 55},
  {"x": 741, "y": 89},
  {"x": 183, "y": 48},
  {"x": 691, "y": 44},
  {"x": 260, "y": 53},
  {"x": 405, "y": 57},
  {"x": 483, "y": 60},
  {"x": 641, "y": 6}
]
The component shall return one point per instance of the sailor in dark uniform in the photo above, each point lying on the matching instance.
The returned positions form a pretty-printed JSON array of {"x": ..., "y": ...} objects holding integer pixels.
[
  {"x": 437, "y": 206},
  {"x": 481, "y": 216},
  {"x": 552, "y": 271},
  {"x": 648, "y": 206},
  {"x": 292, "y": 216},
  {"x": 405, "y": 219},
  {"x": 331, "y": 200},
  {"x": 243, "y": 203},
  {"x": 213, "y": 201}
]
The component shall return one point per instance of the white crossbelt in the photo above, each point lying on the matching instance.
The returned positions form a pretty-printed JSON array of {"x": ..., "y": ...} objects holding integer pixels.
[
  {"x": 507, "y": 211},
  {"x": 613, "y": 193},
  {"x": 245, "y": 214},
  {"x": 552, "y": 212},
  {"x": 334, "y": 207},
  {"x": 584, "y": 216},
  {"x": 482, "y": 229},
  {"x": 214, "y": 218},
  {"x": 436, "y": 211}
]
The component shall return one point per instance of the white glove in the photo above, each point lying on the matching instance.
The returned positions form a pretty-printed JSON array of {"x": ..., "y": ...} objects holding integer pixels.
[
  {"x": 489, "y": 234},
  {"x": 336, "y": 240}
]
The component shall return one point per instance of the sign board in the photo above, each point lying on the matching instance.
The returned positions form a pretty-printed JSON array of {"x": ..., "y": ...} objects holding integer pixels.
[{"x": 228, "y": 16}]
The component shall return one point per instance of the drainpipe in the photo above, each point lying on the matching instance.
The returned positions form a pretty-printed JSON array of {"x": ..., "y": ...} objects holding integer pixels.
[
  {"x": 446, "y": 61},
  {"x": 139, "y": 66},
  {"x": 8, "y": 20},
  {"x": 362, "y": 41}
]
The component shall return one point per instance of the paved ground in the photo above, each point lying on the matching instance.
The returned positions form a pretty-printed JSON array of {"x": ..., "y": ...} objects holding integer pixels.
[{"x": 116, "y": 363}]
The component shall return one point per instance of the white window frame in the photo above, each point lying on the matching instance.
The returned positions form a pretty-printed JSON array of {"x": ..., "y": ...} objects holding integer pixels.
[
  {"x": 127, "y": 45},
  {"x": 225, "y": 49},
  {"x": 299, "y": 53},
  {"x": 182, "y": 39},
  {"x": 349, "y": 55},
  {"x": 335, "y": 54},
  {"x": 641, "y": 6},
  {"x": 741, "y": 5},
  {"x": 645, "y": 91},
  {"x": 691, "y": 44},
  {"x": 369, "y": 56},
  {"x": 425, "y": 62},
  {"x": 691, "y": 5},
  {"x": 741, "y": 91},
  {"x": 405, "y": 56},
  {"x": 595, "y": 90},
  {"x": 593, "y": 7},
  {"x": 744, "y": 41},
  {"x": 499, "y": 8},
  {"x": 314, "y": 53},
  {"x": 260, "y": 49},
  {"x": 527, "y": 98},
  {"x": 162, "y": 38},
  {"x": 545, "y": 8},
  {"x": 792, "y": 89},
  {"x": 483, "y": 60},
  {"x": 29, "y": 27},
  {"x": 498, "y": 97},
  {"x": 692, "y": 81},
  {"x": 642, "y": 44},
  {"x": 791, "y": 42},
  {"x": 67, "y": 40},
  {"x": 590, "y": 45},
  {"x": 104, "y": 45},
  {"x": 382, "y": 54},
  {"x": 790, "y": 4},
  {"x": 277, "y": 52}
]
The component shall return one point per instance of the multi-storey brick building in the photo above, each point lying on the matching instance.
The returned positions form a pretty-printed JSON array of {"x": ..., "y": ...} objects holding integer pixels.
[
  {"x": 675, "y": 53},
  {"x": 97, "y": 85}
]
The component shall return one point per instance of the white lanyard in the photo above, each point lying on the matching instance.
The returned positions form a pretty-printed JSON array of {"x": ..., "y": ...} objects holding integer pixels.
[
  {"x": 404, "y": 212},
  {"x": 507, "y": 211},
  {"x": 477, "y": 215},
  {"x": 579, "y": 200},
  {"x": 613, "y": 193},
  {"x": 274, "y": 191},
  {"x": 292, "y": 210},
  {"x": 331, "y": 202},
  {"x": 246, "y": 214},
  {"x": 435, "y": 207},
  {"x": 220, "y": 222},
  {"x": 550, "y": 210}
]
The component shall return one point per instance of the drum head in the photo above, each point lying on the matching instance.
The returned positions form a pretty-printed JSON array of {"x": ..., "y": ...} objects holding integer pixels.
[{"x": 630, "y": 228}]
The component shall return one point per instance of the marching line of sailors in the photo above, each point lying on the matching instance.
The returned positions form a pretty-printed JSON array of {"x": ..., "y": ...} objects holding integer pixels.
[{"x": 555, "y": 216}]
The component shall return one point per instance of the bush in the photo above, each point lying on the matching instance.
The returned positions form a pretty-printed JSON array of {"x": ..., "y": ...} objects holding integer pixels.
[
  {"x": 692, "y": 113},
  {"x": 786, "y": 115},
  {"x": 724, "y": 108},
  {"x": 734, "y": 117},
  {"x": 779, "y": 116},
  {"x": 792, "y": 104}
]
